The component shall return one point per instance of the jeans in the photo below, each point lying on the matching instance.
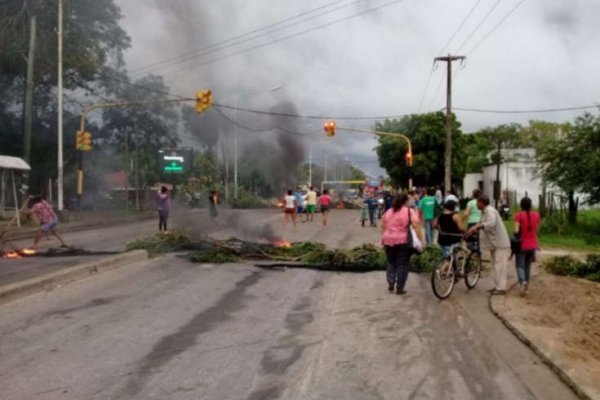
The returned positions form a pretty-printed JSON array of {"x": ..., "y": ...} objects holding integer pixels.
[
  {"x": 398, "y": 258},
  {"x": 428, "y": 231},
  {"x": 162, "y": 219},
  {"x": 372, "y": 219},
  {"x": 524, "y": 260}
]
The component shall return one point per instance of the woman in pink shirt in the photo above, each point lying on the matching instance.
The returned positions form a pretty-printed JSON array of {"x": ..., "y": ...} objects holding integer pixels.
[
  {"x": 395, "y": 228},
  {"x": 526, "y": 223},
  {"x": 325, "y": 201},
  {"x": 48, "y": 220}
]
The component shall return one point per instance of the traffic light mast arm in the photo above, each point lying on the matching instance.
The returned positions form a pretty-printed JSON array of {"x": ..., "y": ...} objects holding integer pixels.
[{"x": 380, "y": 133}]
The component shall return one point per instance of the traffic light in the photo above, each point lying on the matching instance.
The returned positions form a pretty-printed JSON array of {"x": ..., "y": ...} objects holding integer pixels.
[
  {"x": 79, "y": 140},
  {"x": 329, "y": 128},
  {"x": 87, "y": 142},
  {"x": 409, "y": 159},
  {"x": 203, "y": 100}
]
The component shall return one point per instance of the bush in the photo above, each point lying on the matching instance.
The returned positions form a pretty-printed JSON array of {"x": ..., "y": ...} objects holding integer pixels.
[
  {"x": 247, "y": 200},
  {"x": 569, "y": 266},
  {"x": 426, "y": 261}
]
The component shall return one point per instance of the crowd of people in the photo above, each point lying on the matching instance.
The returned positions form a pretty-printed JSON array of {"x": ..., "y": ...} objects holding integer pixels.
[
  {"x": 299, "y": 206},
  {"x": 439, "y": 220}
]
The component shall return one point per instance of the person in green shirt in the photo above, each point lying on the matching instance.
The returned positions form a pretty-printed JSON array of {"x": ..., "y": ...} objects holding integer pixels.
[
  {"x": 472, "y": 213},
  {"x": 428, "y": 206}
]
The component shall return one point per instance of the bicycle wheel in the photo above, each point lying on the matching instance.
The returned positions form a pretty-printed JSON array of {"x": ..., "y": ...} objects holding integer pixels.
[
  {"x": 443, "y": 279},
  {"x": 472, "y": 269}
]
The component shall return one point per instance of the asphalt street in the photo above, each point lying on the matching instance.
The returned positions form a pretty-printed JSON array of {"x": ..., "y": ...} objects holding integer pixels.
[{"x": 165, "y": 328}]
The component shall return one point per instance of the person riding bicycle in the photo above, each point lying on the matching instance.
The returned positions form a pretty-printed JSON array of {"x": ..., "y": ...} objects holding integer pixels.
[{"x": 450, "y": 226}]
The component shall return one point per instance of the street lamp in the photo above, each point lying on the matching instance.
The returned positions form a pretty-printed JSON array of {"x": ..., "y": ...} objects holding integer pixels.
[{"x": 330, "y": 128}]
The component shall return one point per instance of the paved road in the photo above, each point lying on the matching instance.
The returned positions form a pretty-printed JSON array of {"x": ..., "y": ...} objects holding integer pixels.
[{"x": 168, "y": 329}]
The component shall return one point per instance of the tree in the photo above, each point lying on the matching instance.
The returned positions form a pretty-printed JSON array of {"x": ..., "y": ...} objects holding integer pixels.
[
  {"x": 571, "y": 161},
  {"x": 427, "y": 133},
  {"x": 93, "y": 44}
]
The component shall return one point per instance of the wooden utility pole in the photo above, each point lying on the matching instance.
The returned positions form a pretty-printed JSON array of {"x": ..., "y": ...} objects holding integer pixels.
[
  {"x": 448, "y": 152},
  {"x": 28, "y": 110}
]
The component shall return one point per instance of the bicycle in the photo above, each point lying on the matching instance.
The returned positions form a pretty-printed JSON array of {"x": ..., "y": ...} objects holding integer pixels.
[{"x": 464, "y": 261}]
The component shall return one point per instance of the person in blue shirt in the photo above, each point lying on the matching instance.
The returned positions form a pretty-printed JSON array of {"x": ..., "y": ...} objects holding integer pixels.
[
  {"x": 371, "y": 203},
  {"x": 299, "y": 201}
]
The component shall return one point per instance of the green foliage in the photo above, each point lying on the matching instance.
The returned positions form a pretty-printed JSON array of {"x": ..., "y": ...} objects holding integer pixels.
[
  {"x": 570, "y": 159},
  {"x": 247, "y": 200},
  {"x": 587, "y": 228},
  {"x": 426, "y": 261},
  {"x": 427, "y": 133},
  {"x": 569, "y": 266},
  {"x": 214, "y": 257},
  {"x": 161, "y": 243}
]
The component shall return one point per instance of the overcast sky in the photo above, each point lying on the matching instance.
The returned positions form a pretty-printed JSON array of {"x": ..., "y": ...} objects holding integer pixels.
[{"x": 541, "y": 54}]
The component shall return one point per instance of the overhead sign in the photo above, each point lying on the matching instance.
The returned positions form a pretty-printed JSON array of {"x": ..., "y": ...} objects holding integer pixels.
[{"x": 175, "y": 161}]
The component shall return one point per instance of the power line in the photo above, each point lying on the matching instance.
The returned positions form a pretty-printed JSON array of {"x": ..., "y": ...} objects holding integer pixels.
[
  {"x": 497, "y": 25},
  {"x": 460, "y": 26},
  {"x": 320, "y": 117},
  {"x": 126, "y": 82},
  {"x": 479, "y": 25},
  {"x": 543, "y": 110},
  {"x": 220, "y": 45},
  {"x": 283, "y": 38},
  {"x": 276, "y": 127}
]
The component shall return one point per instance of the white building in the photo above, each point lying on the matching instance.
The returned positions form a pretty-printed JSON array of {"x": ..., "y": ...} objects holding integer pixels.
[{"x": 519, "y": 177}]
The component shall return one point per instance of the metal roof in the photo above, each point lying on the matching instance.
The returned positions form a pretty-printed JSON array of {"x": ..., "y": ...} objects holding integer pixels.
[{"x": 8, "y": 162}]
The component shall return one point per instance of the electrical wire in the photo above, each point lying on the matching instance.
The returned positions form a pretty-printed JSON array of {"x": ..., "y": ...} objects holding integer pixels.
[
  {"x": 496, "y": 26},
  {"x": 320, "y": 117},
  {"x": 479, "y": 25},
  {"x": 283, "y": 38},
  {"x": 221, "y": 45},
  {"x": 543, "y": 110},
  {"x": 459, "y": 27}
]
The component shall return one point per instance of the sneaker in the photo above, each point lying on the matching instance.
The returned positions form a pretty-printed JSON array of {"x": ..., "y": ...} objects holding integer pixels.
[
  {"x": 498, "y": 292},
  {"x": 391, "y": 287},
  {"x": 491, "y": 290},
  {"x": 526, "y": 287},
  {"x": 400, "y": 291},
  {"x": 522, "y": 289}
]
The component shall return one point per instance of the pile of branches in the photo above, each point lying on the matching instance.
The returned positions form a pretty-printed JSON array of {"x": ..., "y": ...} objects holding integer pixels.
[{"x": 366, "y": 257}]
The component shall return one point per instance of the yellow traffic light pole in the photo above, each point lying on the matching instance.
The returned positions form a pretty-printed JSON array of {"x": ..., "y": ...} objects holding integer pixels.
[{"x": 380, "y": 133}]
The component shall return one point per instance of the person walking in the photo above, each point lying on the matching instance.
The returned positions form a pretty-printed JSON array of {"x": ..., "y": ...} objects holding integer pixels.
[
  {"x": 472, "y": 213},
  {"x": 450, "y": 226},
  {"x": 371, "y": 203},
  {"x": 163, "y": 204},
  {"x": 213, "y": 200},
  {"x": 290, "y": 208},
  {"x": 325, "y": 201},
  {"x": 428, "y": 206},
  {"x": 395, "y": 226},
  {"x": 311, "y": 204},
  {"x": 43, "y": 212},
  {"x": 526, "y": 224},
  {"x": 494, "y": 239}
]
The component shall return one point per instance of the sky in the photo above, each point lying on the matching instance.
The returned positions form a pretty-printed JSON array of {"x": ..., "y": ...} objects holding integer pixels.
[{"x": 371, "y": 58}]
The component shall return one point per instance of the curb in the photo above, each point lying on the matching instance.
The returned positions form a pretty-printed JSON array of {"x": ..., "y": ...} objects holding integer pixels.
[
  {"x": 48, "y": 282},
  {"x": 545, "y": 357}
]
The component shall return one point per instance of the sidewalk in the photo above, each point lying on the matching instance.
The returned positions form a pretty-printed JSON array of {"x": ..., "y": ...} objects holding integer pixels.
[
  {"x": 560, "y": 321},
  {"x": 74, "y": 221}
]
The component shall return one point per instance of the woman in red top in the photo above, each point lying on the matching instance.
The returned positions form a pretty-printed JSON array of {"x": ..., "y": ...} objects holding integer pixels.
[
  {"x": 325, "y": 201},
  {"x": 395, "y": 227},
  {"x": 526, "y": 223}
]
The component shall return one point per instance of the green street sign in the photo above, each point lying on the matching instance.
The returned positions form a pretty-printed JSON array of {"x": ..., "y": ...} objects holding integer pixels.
[{"x": 173, "y": 167}]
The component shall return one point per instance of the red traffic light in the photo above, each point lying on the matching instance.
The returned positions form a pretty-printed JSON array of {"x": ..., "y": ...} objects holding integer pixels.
[
  {"x": 329, "y": 128},
  {"x": 408, "y": 158}
]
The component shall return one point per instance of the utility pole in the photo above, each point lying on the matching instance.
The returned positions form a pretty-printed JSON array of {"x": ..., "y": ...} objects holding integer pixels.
[
  {"x": 448, "y": 153},
  {"x": 28, "y": 111},
  {"x": 60, "y": 108}
]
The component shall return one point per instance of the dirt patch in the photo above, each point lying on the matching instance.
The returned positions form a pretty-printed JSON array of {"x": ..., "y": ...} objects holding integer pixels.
[{"x": 561, "y": 314}]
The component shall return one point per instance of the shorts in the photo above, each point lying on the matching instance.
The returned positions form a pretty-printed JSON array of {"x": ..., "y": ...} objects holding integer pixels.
[
  {"x": 299, "y": 209},
  {"x": 289, "y": 211},
  {"x": 311, "y": 208},
  {"x": 49, "y": 226},
  {"x": 324, "y": 208}
]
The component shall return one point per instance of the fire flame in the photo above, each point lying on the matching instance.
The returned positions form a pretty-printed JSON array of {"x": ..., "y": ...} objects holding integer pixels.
[
  {"x": 12, "y": 254},
  {"x": 27, "y": 252},
  {"x": 283, "y": 243},
  {"x": 17, "y": 253},
  {"x": 280, "y": 204}
]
